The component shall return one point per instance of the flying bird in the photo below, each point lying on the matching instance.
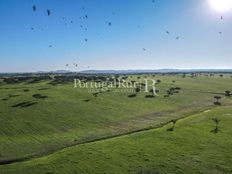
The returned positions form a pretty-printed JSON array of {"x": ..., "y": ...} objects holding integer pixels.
[
  {"x": 221, "y": 17},
  {"x": 86, "y": 39},
  {"x": 32, "y": 28},
  {"x": 153, "y": 1},
  {"x": 219, "y": 32},
  {"x": 144, "y": 49},
  {"x": 50, "y": 46},
  {"x": 86, "y": 16},
  {"x": 177, "y": 37},
  {"x": 167, "y": 32},
  {"x": 48, "y": 12},
  {"x": 109, "y": 23},
  {"x": 66, "y": 65},
  {"x": 34, "y": 8}
]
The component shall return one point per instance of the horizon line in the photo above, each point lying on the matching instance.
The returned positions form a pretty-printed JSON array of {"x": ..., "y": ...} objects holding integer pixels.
[{"x": 159, "y": 69}]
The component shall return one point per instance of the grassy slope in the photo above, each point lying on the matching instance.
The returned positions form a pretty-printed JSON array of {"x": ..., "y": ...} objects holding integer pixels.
[
  {"x": 64, "y": 118},
  {"x": 191, "y": 148}
]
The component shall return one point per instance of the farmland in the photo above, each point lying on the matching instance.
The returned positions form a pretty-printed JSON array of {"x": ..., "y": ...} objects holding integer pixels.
[{"x": 49, "y": 127}]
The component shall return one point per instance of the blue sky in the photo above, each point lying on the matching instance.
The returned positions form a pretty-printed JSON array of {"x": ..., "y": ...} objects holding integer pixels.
[{"x": 136, "y": 24}]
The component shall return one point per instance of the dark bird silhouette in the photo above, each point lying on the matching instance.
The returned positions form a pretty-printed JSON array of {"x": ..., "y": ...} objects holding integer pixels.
[
  {"x": 71, "y": 22},
  {"x": 34, "y": 8},
  {"x": 32, "y": 28},
  {"x": 50, "y": 46},
  {"x": 219, "y": 32},
  {"x": 86, "y": 16},
  {"x": 86, "y": 39},
  {"x": 48, "y": 12},
  {"x": 167, "y": 32},
  {"x": 153, "y": 1},
  {"x": 109, "y": 23},
  {"x": 221, "y": 17},
  {"x": 177, "y": 37},
  {"x": 144, "y": 49},
  {"x": 66, "y": 65}
]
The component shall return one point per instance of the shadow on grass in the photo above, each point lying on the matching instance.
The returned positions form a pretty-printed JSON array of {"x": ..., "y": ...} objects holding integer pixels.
[
  {"x": 149, "y": 96},
  {"x": 132, "y": 95},
  {"x": 39, "y": 96},
  {"x": 26, "y": 90},
  {"x": 87, "y": 100},
  {"x": 24, "y": 104},
  {"x": 170, "y": 129}
]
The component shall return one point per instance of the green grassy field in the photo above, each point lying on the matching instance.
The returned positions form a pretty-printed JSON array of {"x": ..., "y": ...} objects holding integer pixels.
[
  {"x": 33, "y": 127},
  {"x": 190, "y": 148}
]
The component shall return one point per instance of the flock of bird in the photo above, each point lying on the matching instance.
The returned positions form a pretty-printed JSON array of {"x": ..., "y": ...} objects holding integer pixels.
[{"x": 48, "y": 12}]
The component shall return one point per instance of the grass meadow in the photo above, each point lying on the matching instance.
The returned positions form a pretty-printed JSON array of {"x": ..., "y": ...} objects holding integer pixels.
[{"x": 47, "y": 128}]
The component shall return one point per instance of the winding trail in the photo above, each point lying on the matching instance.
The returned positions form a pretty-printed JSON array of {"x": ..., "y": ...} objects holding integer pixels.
[{"x": 28, "y": 158}]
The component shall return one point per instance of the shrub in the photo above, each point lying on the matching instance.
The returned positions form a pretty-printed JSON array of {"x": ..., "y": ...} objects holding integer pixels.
[{"x": 132, "y": 95}]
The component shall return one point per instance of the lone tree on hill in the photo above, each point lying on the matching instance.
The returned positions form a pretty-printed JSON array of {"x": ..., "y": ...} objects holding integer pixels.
[
  {"x": 216, "y": 121},
  {"x": 173, "y": 125}
]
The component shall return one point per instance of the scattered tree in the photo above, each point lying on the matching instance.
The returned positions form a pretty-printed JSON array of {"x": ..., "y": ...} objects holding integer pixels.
[
  {"x": 173, "y": 125},
  {"x": 216, "y": 121},
  {"x": 217, "y": 100},
  {"x": 228, "y": 93}
]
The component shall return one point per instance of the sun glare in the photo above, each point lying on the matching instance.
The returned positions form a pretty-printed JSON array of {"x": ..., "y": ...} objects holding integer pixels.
[{"x": 221, "y": 5}]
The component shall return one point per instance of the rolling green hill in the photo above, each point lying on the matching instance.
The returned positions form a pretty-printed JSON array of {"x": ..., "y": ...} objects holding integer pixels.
[
  {"x": 190, "y": 148},
  {"x": 38, "y": 119}
]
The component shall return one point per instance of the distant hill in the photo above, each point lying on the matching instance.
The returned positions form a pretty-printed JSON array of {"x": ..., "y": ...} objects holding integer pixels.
[
  {"x": 144, "y": 71},
  {"x": 55, "y": 72},
  {"x": 156, "y": 71}
]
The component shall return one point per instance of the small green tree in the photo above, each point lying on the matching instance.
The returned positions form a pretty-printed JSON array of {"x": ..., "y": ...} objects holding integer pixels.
[
  {"x": 173, "y": 125},
  {"x": 216, "y": 121}
]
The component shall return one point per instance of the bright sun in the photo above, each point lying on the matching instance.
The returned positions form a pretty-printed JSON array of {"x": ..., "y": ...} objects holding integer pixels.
[{"x": 221, "y": 5}]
